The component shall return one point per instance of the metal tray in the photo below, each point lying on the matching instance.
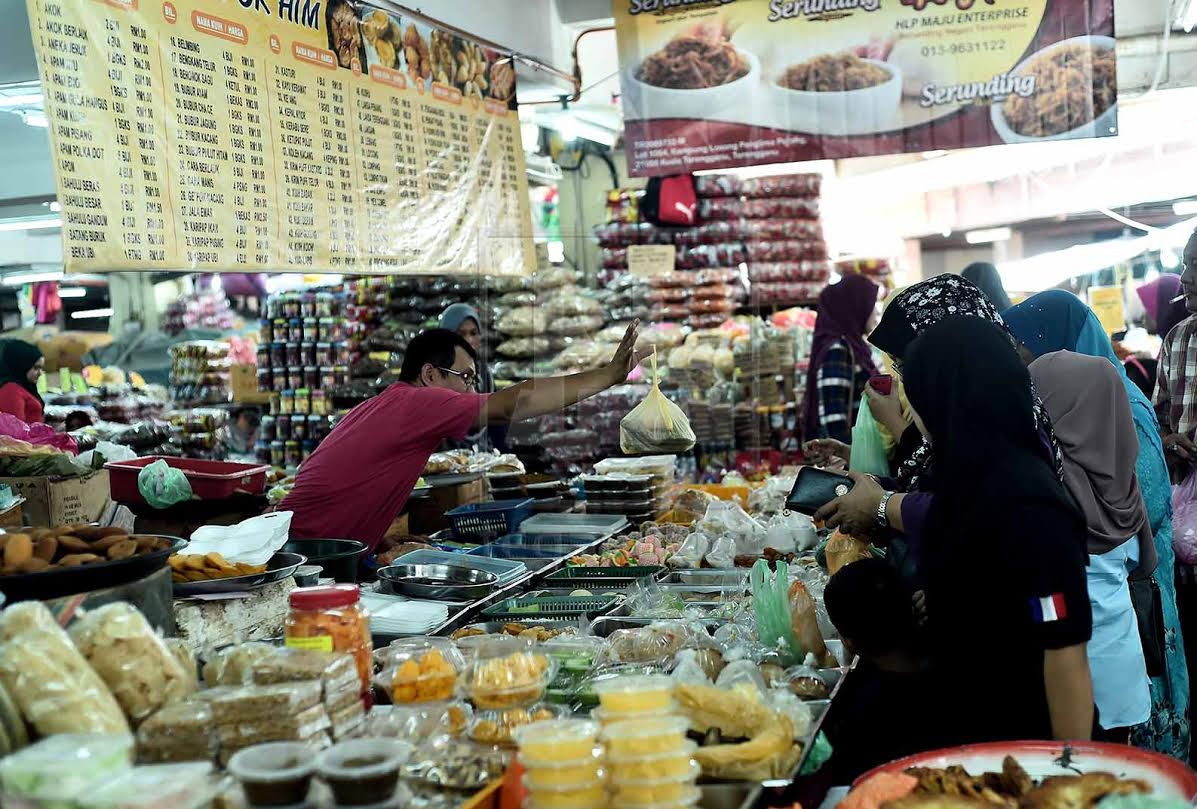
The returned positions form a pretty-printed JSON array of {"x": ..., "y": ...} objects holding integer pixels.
[
  {"x": 707, "y": 578},
  {"x": 65, "y": 581},
  {"x": 599, "y": 525},
  {"x": 505, "y": 569},
  {"x": 280, "y": 566}
]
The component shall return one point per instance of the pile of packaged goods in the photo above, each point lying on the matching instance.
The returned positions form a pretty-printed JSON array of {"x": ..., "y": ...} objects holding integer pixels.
[
  {"x": 205, "y": 309},
  {"x": 196, "y": 432},
  {"x": 199, "y": 372},
  {"x": 878, "y": 270},
  {"x": 303, "y": 353}
]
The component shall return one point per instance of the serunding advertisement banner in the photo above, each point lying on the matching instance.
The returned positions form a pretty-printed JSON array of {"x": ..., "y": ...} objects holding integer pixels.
[
  {"x": 720, "y": 83},
  {"x": 253, "y": 135}
]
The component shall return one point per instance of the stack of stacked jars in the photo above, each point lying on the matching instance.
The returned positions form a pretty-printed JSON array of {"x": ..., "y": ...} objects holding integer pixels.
[
  {"x": 302, "y": 357},
  {"x": 563, "y": 764},
  {"x": 649, "y": 760}
]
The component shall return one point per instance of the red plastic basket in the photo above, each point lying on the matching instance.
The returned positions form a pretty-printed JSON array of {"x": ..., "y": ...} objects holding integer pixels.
[{"x": 210, "y": 480}]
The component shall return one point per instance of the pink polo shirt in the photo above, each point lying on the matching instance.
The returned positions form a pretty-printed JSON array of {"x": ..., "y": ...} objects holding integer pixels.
[{"x": 359, "y": 478}]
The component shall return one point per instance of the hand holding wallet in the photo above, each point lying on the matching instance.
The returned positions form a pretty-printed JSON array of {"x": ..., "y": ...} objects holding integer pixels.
[{"x": 815, "y": 488}]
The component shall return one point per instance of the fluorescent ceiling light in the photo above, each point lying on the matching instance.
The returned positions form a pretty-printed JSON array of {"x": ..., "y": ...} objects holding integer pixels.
[
  {"x": 23, "y": 100},
  {"x": 1185, "y": 207},
  {"x": 1186, "y": 15},
  {"x": 17, "y": 279},
  {"x": 10, "y": 225},
  {"x": 71, "y": 292},
  {"x": 55, "y": 205},
  {"x": 90, "y": 314},
  {"x": 987, "y": 235}
]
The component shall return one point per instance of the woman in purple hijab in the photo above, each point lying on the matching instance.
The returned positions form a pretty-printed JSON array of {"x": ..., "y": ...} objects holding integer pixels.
[
  {"x": 1163, "y": 312},
  {"x": 841, "y": 361}
]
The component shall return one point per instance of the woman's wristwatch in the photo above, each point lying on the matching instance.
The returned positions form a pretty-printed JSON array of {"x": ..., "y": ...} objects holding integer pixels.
[{"x": 883, "y": 510}]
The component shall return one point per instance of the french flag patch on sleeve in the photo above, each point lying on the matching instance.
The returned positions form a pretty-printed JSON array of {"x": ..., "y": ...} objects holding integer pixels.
[{"x": 1049, "y": 608}]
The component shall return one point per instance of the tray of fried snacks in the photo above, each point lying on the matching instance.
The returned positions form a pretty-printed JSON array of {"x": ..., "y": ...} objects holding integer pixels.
[
  {"x": 46, "y": 563},
  {"x": 198, "y": 574}
]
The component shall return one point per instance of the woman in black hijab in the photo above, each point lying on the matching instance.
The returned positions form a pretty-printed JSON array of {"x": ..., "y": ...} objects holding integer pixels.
[
  {"x": 989, "y": 281},
  {"x": 1003, "y": 553},
  {"x": 21, "y": 365}
]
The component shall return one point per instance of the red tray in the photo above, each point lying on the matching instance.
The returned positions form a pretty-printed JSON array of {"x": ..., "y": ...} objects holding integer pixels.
[{"x": 210, "y": 480}]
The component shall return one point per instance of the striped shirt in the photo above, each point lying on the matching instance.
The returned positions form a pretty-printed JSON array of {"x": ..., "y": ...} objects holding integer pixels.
[
  {"x": 841, "y": 383},
  {"x": 1176, "y": 383}
]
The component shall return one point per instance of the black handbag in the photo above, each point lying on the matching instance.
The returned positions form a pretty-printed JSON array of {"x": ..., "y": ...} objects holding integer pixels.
[
  {"x": 815, "y": 488},
  {"x": 1149, "y": 612}
]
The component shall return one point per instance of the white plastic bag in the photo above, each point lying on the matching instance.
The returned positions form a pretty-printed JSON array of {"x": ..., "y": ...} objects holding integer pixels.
[
  {"x": 655, "y": 425},
  {"x": 790, "y": 531},
  {"x": 688, "y": 670},
  {"x": 727, "y": 518},
  {"x": 723, "y": 553},
  {"x": 111, "y": 452},
  {"x": 692, "y": 551}
]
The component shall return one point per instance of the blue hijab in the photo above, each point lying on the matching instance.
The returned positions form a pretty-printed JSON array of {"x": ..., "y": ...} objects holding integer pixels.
[{"x": 1057, "y": 320}]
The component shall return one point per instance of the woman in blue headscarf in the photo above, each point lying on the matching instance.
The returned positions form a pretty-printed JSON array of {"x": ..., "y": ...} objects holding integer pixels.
[{"x": 1056, "y": 320}]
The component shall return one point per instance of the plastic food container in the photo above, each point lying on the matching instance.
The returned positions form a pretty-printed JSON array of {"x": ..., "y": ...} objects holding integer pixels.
[
  {"x": 155, "y": 786},
  {"x": 58, "y": 768},
  {"x": 363, "y": 771},
  {"x": 506, "y": 672},
  {"x": 574, "y": 797},
  {"x": 563, "y": 773},
  {"x": 652, "y": 766},
  {"x": 420, "y": 670},
  {"x": 275, "y": 774},
  {"x": 655, "y": 735},
  {"x": 559, "y": 740},
  {"x": 664, "y": 793},
  {"x": 646, "y": 693},
  {"x": 498, "y": 727}
]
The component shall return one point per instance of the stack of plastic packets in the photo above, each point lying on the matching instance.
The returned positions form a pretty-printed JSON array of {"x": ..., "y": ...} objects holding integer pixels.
[
  {"x": 563, "y": 764},
  {"x": 649, "y": 760}
]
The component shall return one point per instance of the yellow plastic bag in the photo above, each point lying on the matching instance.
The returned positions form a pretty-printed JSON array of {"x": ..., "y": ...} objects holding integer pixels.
[{"x": 655, "y": 425}]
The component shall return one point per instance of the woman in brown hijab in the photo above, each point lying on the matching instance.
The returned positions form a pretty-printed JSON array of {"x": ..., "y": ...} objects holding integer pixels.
[{"x": 1090, "y": 412}]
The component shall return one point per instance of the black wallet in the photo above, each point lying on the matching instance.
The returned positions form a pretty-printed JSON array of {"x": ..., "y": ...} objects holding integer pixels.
[{"x": 815, "y": 488}]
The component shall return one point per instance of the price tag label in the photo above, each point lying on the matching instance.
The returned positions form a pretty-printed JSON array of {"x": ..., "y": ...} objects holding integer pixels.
[{"x": 647, "y": 260}]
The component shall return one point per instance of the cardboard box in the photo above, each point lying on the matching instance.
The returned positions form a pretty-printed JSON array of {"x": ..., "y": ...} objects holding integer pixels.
[
  {"x": 243, "y": 379},
  {"x": 61, "y": 501}
]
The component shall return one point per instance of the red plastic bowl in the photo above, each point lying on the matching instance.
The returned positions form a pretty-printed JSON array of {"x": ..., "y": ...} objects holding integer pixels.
[{"x": 210, "y": 480}]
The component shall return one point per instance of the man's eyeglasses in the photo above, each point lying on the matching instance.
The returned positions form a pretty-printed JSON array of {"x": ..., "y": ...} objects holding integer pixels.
[{"x": 468, "y": 377}]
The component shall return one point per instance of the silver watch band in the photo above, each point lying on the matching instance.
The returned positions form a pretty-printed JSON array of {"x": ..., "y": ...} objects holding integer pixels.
[{"x": 883, "y": 510}]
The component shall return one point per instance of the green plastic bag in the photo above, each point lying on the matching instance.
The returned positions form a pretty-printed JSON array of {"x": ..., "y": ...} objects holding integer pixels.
[
  {"x": 162, "y": 485},
  {"x": 771, "y": 604},
  {"x": 868, "y": 450}
]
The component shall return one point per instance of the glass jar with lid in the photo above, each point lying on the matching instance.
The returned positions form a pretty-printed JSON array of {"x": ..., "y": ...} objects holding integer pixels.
[{"x": 332, "y": 619}]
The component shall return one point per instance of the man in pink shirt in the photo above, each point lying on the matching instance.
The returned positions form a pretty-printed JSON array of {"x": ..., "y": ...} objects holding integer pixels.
[{"x": 359, "y": 478}]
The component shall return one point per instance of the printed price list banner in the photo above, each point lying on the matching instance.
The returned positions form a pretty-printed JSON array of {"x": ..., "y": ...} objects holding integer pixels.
[
  {"x": 719, "y": 83},
  {"x": 251, "y": 135}
]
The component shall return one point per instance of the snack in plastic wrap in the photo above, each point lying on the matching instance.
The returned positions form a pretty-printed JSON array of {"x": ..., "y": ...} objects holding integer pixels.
[
  {"x": 234, "y": 665},
  {"x": 418, "y": 723},
  {"x": 523, "y": 347},
  {"x": 131, "y": 659},
  {"x": 23, "y": 616},
  {"x": 655, "y": 425},
  {"x": 422, "y": 674},
  {"x": 157, "y": 786},
  {"x": 508, "y": 680},
  {"x": 655, "y": 643},
  {"x": 62, "y": 767},
  {"x": 798, "y": 712},
  {"x": 768, "y": 750},
  {"x": 497, "y": 727},
  {"x": 284, "y": 664},
  {"x": 523, "y": 321},
  {"x": 576, "y": 325},
  {"x": 187, "y": 662},
  {"x": 843, "y": 550},
  {"x": 54, "y": 687},
  {"x": 804, "y": 682},
  {"x": 255, "y": 701},
  {"x": 275, "y": 727},
  {"x": 179, "y": 732},
  {"x": 805, "y": 622},
  {"x": 457, "y": 763}
]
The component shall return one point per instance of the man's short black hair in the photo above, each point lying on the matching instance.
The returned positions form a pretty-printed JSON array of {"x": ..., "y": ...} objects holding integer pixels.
[
  {"x": 872, "y": 606},
  {"x": 437, "y": 347}
]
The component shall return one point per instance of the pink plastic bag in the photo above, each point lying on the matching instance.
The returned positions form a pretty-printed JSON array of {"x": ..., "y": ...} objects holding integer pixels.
[
  {"x": 36, "y": 434},
  {"x": 1184, "y": 519}
]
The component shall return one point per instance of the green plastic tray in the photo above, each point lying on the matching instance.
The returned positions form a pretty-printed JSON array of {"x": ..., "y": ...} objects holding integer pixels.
[{"x": 526, "y": 607}]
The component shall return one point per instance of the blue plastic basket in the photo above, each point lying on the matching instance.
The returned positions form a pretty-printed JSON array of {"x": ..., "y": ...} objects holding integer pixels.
[{"x": 484, "y": 521}]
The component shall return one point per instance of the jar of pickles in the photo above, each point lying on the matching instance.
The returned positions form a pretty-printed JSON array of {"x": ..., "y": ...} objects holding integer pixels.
[
  {"x": 328, "y": 377},
  {"x": 319, "y": 403},
  {"x": 329, "y": 329},
  {"x": 278, "y": 453},
  {"x": 294, "y": 330},
  {"x": 332, "y": 619},
  {"x": 286, "y": 402},
  {"x": 311, "y": 377},
  {"x": 291, "y": 454},
  {"x": 263, "y": 354},
  {"x": 267, "y": 428},
  {"x": 310, "y": 332},
  {"x": 317, "y": 426},
  {"x": 306, "y": 449},
  {"x": 282, "y": 426},
  {"x": 264, "y": 380},
  {"x": 324, "y": 354},
  {"x": 278, "y": 354},
  {"x": 295, "y": 377},
  {"x": 290, "y": 357},
  {"x": 324, "y": 304},
  {"x": 341, "y": 374},
  {"x": 262, "y": 452},
  {"x": 299, "y": 427},
  {"x": 303, "y": 402},
  {"x": 291, "y": 305},
  {"x": 276, "y": 406}
]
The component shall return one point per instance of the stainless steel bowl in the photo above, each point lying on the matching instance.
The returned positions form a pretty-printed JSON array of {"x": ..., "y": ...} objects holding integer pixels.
[{"x": 438, "y": 582}]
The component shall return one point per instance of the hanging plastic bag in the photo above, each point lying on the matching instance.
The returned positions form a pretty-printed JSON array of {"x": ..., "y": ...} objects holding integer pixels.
[
  {"x": 1184, "y": 519},
  {"x": 162, "y": 485},
  {"x": 655, "y": 425},
  {"x": 843, "y": 550},
  {"x": 868, "y": 448},
  {"x": 692, "y": 551}
]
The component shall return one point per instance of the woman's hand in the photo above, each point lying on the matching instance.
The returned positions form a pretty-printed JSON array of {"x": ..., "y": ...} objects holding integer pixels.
[
  {"x": 887, "y": 409},
  {"x": 856, "y": 512},
  {"x": 919, "y": 602},
  {"x": 822, "y": 451}
]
